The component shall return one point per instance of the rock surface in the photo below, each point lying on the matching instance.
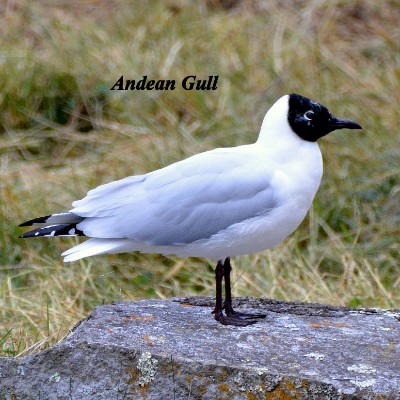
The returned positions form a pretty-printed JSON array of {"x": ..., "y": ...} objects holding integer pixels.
[{"x": 156, "y": 349}]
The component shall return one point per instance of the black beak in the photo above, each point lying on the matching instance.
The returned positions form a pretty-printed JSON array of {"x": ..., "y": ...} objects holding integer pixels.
[{"x": 337, "y": 123}]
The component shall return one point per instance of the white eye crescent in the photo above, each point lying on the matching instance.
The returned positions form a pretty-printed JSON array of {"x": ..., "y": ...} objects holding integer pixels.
[{"x": 308, "y": 115}]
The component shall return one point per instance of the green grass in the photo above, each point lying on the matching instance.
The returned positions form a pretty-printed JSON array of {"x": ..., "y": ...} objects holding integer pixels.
[{"x": 63, "y": 132}]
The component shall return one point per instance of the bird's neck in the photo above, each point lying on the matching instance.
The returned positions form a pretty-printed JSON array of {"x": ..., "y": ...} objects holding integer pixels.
[
  {"x": 275, "y": 126},
  {"x": 279, "y": 141}
]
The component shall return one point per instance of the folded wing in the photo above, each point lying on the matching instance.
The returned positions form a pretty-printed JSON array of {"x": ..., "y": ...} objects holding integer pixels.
[{"x": 184, "y": 202}]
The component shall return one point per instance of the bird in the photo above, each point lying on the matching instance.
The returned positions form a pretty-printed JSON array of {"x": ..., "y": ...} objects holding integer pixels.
[{"x": 216, "y": 205}]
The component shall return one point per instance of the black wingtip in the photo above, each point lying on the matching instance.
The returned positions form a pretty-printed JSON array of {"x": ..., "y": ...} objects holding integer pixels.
[
  {"x": 40, "y": 220},
  {"x": 27, "y": 235},
  {"x": 53, "y": 230}
]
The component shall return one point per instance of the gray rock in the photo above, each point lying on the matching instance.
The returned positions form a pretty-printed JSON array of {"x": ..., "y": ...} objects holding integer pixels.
[{"x": 173, "y": 349}]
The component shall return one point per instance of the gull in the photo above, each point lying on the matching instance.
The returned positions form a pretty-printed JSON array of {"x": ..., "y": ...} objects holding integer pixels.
[{"x": 218, "y": 204}]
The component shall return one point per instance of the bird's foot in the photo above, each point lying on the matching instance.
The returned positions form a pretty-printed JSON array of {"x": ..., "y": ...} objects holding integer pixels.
[
  {"x": 232, "y": 320},
  {"x": 236, "y": 318},
  {"x": 230, "y": 312}
]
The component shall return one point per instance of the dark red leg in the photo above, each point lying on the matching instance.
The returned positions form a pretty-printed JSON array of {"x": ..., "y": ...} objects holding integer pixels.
[
  {"x": 219, "y": 274},
  {"x": 232, "y": 317},
  {"x": 229, "y": 311}
]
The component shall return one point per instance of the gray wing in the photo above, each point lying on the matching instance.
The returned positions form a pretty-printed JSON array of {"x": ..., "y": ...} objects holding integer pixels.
[{"x": 187, "y": 201}]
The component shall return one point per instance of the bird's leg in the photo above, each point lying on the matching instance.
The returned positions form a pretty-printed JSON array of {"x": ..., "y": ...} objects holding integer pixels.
[
  {"x": 219, "y": 274},
  {"x": 233, "y": 318},
  {"x": 230, "y": 312},
  {"x": 228, "y": 294}
]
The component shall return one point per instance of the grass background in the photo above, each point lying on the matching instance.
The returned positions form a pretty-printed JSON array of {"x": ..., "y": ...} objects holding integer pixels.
[{"x": 63, "y": 132}]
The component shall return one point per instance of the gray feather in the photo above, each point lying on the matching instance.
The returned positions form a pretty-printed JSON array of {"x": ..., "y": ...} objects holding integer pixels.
[{"x": 175, "y": 205}]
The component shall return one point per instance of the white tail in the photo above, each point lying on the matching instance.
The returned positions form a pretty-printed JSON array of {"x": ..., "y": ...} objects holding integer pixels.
[{"x": 93, "y": 247}]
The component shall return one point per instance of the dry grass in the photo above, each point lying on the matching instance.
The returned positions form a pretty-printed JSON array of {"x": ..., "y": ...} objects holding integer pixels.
[{"x": 64, "y": 132}]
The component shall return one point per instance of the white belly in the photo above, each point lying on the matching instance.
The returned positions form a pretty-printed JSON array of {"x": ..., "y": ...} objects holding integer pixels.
[
  {"x": 248, "y": 237},
  {"x": 295, "y": 193}
]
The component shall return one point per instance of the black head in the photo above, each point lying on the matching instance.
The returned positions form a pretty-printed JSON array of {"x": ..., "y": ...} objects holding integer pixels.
[{"x": 311, "y": 120}]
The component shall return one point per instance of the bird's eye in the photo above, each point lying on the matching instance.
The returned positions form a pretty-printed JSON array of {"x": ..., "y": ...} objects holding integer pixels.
[{"x": 308, "y": 115}]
